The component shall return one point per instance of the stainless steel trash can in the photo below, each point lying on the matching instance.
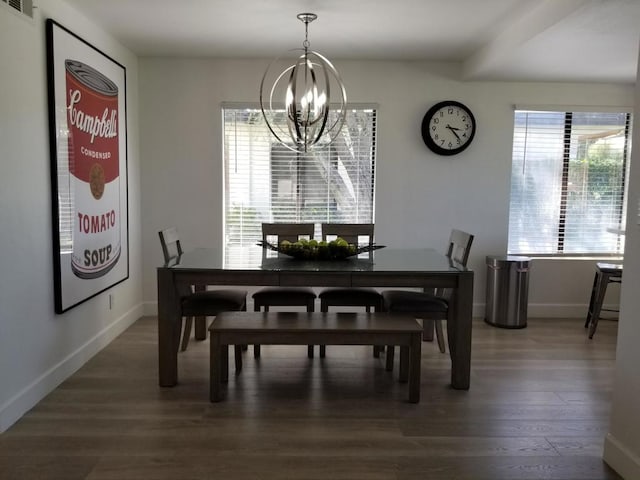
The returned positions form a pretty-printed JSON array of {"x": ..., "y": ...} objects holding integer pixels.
[{"x": 507, "y": 291}]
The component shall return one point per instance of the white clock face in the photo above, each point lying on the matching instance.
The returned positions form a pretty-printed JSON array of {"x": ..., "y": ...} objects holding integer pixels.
[
  {"x": 451, "y": 127},
  {"x": 448, "y": 127}
]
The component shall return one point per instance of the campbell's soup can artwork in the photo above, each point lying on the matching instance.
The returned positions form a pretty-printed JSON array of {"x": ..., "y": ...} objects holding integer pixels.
[{"x": 92, "y": 120}]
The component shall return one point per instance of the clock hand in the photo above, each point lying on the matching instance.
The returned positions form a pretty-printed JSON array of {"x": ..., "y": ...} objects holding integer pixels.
[{"x": 453, "y": 130}]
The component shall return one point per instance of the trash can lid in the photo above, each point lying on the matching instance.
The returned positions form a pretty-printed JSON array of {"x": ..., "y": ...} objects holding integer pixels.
[{"x": 502, "y": 261}]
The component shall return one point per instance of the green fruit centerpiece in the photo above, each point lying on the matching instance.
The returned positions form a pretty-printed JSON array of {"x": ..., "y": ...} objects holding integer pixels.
[{"x": 338, "y": 249}]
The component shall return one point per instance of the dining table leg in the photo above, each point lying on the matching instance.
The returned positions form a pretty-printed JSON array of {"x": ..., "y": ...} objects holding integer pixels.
[
  {"x": 404, "y": 363},
  {"x": 224, "y": 363},
  {"x": 415, "y": 359},
  {"x": 459, "y": 331},
  {"x": 216, "y": 367},
  {"x": 200, "y": 329},
  {"x": 169, "y": 326}
]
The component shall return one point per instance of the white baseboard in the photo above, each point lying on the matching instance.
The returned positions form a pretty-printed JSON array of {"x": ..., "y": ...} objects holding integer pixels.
[
  {"x": 26, "y": 399},
  {"x": 620, "y": 458},
  {"x": 150, "y": 308}
]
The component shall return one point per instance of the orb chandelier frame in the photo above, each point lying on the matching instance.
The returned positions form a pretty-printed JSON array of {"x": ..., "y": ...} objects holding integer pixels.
[{"x": 305, "y": 86}]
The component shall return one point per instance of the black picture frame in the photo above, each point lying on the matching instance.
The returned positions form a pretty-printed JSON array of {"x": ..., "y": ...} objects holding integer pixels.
[{"x": 89, "y": 177}]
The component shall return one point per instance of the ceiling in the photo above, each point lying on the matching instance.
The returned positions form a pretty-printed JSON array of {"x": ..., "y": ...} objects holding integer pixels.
[{"x": 541, "y": 40}]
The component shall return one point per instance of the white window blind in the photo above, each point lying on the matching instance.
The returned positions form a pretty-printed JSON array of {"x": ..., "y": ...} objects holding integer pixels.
[
  {"x": 266, "y": 182},
  {"x": 568, "y": 182},
  {"x": 23, "y": 6}
]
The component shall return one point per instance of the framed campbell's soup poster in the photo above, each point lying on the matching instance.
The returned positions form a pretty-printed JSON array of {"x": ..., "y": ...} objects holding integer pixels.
[{"x": 88, "y": 141}]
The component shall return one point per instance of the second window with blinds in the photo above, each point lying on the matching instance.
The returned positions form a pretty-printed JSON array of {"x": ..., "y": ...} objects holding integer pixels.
[
  {"x": 267, "y": 182},
  {"x": 568, "y": 182}
]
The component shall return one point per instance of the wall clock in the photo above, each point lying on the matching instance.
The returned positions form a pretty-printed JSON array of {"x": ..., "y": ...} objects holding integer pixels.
[{"x": 448, "y": 127}]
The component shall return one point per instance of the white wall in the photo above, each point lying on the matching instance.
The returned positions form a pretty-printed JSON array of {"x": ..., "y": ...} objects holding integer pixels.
[
  {"x": 622, "y": 445},
  {"x": 39, "y": 349},
  {"x": 419, "y": 196}
]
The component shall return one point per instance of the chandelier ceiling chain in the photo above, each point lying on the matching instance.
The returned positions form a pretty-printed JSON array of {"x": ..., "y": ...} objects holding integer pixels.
[
  {"x": 307, "y": 18},
  {"x": 305, "y": 86}
]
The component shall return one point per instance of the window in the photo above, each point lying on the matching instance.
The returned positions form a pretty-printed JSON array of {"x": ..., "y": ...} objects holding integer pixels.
[
  {"x": 24, "y": 6},
  {"x": 266, "y": 182},
  {"x": 568, "y": 182}
]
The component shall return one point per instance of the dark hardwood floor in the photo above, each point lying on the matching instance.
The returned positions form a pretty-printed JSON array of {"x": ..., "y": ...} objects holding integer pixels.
[{"x": 538, "y": 408}]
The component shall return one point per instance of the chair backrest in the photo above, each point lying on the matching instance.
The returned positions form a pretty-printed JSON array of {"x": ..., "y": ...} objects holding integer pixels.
[
  {"x": 459, "y": 246},
  {"x": 170, "y": 242},
  {"x": 458, "y": 251},
  {"x": 285, "y": 231},
  {"x": 171, "y": 249},
  {"x": 351, "y": 232}
]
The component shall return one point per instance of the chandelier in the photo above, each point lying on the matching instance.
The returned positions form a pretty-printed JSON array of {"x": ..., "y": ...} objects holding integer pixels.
[{"x": 305, "y": 87}]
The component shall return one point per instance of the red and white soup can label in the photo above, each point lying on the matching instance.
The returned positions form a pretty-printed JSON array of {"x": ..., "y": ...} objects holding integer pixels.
[{"x": 92, "y": 120}]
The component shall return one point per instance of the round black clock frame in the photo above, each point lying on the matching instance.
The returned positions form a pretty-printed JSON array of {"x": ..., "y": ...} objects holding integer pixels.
[{"x": 448, "y": 127}]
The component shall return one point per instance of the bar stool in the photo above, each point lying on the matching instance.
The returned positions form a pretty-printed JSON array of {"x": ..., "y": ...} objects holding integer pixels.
[{"x": 606, "y": 273}]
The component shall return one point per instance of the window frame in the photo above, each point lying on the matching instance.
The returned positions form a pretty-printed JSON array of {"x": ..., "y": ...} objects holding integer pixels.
[{"x": 276, "y": 153}]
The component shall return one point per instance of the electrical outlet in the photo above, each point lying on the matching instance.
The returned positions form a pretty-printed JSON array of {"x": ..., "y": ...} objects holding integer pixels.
[{"x": 112, "y": 301}]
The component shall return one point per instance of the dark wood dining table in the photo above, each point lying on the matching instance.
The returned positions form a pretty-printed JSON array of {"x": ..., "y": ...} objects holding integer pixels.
[{"x": 384, "y": 268}]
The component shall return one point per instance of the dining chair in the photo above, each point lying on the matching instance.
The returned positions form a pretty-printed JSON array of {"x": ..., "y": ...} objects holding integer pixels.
[
  {"x": 195, "y": 302},
  {"x": 606, "y": 273},
  {"x": 369, "y": 298},
  {"x": 268, "y": 297},
  {"x": 429, "y": 306}
]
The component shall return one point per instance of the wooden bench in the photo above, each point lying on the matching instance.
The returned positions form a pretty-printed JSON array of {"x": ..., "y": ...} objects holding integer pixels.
[{"x": 302, "y": 328}]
